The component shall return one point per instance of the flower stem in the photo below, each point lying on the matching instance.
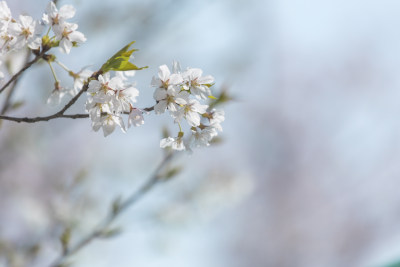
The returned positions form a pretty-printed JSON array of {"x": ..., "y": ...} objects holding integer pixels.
[
  {"x": 62, "y": 66},
  {"x": 53, "y": 72}
]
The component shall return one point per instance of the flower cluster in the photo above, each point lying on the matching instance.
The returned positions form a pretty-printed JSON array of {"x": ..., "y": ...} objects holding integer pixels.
[
  {"x": 24, "y": 31},
  {"x": 108, "y": 99},
  {"x": 60, "y": 92},
  {"x": 18, "y": 33},
  {"x": 181, "y": 92},
  {"x": 65, "y": 32}
]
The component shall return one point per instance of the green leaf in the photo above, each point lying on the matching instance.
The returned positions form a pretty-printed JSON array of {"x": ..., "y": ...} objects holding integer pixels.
[
  {"x": 212, "y": 97},
  {"x": 120, "y": 60}
]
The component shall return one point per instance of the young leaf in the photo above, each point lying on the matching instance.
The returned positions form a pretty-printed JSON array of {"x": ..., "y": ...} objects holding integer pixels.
[{"x": 120, "y": 60}]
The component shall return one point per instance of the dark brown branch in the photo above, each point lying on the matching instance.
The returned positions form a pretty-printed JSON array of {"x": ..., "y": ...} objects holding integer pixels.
[
  {"x": 56, "y": 115},
  {"x": 47, "y": 118},
  {"x": 114, "y": 213},
  {"x": 148, "y": 109}
]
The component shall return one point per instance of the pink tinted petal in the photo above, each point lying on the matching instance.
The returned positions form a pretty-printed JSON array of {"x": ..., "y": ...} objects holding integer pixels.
[
  {"x": 160, "y": 94},
  {"x": 51, "y": 9},
  {"x": 175, "y": 79},
  {"x": 193, "y": 118},
  {"x": 197, "y": 107},
  {"x": 166, "y": 142},
  {"x": 67, "y": 12},
  {"x": 26, "y": 21},
  {"x": 108, "y": 126},
  {"x": 65, "y": 46},
  {"x": 163, "y": 73},
  {"x": 156, "y": 82},
  {"x": 195, "y": 73},
  {"x": 206, "y": 79},
  {"x": 76, "y": 36},
  {"x": 160, "y": 107}
]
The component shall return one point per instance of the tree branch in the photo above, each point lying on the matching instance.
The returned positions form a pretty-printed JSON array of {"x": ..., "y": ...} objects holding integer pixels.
[
  {"x": 46, "y": 118},
  {"x": 115, "y": 212},
  {"x": 6, "y": 105},
  {"x": 27, "y": 65},
  {"x": 56, "y": 116},
  {"x": 59, "y": 114}
]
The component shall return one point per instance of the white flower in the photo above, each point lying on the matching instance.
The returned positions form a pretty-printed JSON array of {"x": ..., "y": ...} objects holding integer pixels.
[
  {"x": 96, "y": 109},
  {"x": 176, "y": 67},
  {"x": 216, "y": 117},
  {"x": 26, "y": 31},
  {"x": 5, "y": 16},
  {"x": 198, "y": 86},
  {"x": 80, "y": 77},
  {"x": 107, "y": 99},
  {"x": 103, "y": 89},
  {"x": 67, "y": 34},
  {"x": 55, "y": 17},
  {"x": 124, "y": 98},
  {"x": 165, "y": 79},
  {"x": 135, "y": 118},
  {"x": 108, "y": 123},
  {"x": 176, "y": 143},
  {"x": 125, "y": 75},
  {"x": 191, "y": 111},
  {"x": 7, "y": 42},
  {"x": 169, "y": 98},
  {"x": 203, "y": 137},
  {"x": 57, "y": 95}
]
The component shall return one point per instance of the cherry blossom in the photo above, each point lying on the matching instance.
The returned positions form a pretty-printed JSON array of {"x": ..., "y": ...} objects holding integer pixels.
[
  {"x": 67, "y": 34},
  {"x": 135, "y": 118},
  {"x": 108, "y": 124},
  {"x": 191, "y": 111},
  {"x": 5, "y": 16},
  {"x": 176, "y": 143},
  {"x": 26, "y": 31},
  {"x": 54, "y": 17},
  {"x": 165, "y": 79},
  {"x": 198, "y": 85}
]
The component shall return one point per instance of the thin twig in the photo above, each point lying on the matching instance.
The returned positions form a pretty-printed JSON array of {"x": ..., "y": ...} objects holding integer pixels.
[
  {"x": 6, "y": 105},
  {"x": 57, "y": 115},
  {"x": 123, "y": 206},
  {"x": 27, "y": 65},
  {"x": 46, "y": 118}
]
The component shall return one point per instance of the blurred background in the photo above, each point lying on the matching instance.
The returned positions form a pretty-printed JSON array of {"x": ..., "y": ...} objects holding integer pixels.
[{"x": 308, "y": 170}]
